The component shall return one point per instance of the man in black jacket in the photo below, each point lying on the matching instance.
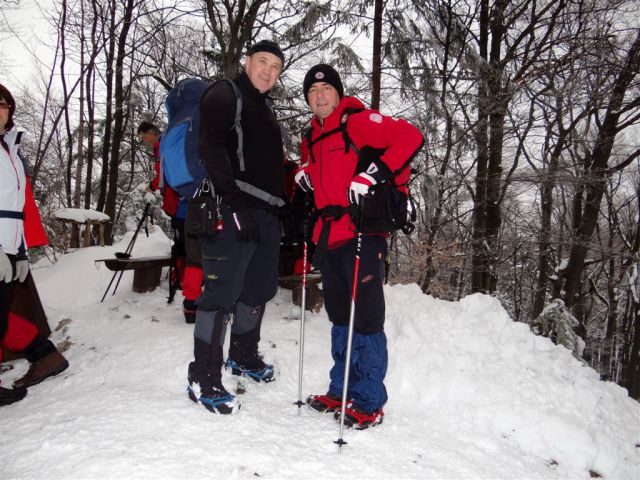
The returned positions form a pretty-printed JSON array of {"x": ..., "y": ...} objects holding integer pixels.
[{"x": 240, "y": 262}]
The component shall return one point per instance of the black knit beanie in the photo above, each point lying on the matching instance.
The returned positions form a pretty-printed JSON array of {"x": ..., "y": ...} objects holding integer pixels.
[
  {"x": 322, "y": 73},
  {"x": 266, "y": 46}
]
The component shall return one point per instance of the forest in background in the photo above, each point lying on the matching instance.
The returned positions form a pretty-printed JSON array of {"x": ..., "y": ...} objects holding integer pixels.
[{"x": 528, "y": 185}]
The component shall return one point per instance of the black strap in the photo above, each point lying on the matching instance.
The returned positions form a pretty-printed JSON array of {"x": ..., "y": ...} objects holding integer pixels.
[
  {"x": 342, "y": 128},
  {"x": 11, "y": 214},
  {"x": 328, "y": 215}
]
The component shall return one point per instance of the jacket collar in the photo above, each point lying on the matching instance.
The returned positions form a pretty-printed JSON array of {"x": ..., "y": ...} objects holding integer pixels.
[
  {"x": 334, "y": 119},
  {"x": 246, "y": 86}
]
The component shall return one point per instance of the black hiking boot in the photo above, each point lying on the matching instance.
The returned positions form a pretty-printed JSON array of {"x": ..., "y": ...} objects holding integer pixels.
[
  {"x": 7, "y": 397},
  {"x": 216, "y": 400},
  {"x": 189, "y": 309}
]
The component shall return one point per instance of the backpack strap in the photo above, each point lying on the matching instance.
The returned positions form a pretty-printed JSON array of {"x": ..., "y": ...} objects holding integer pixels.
[
  {"x": 342, "y": 129},
  {"x": 236, "y": 123}
]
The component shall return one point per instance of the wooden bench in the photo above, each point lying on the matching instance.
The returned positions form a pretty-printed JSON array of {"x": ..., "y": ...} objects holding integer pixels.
[
  {"x": 314, "y": 299},
  {"x": 147, "y": 271}
]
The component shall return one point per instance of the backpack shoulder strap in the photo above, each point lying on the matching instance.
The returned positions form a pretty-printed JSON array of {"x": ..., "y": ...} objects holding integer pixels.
[
  {"x": 342, "y": 129},
  {"x": 236, "y": 123}
]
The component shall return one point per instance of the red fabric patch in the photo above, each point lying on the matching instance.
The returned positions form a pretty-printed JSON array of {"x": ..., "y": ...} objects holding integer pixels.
[{"x": 20, "y": 333}]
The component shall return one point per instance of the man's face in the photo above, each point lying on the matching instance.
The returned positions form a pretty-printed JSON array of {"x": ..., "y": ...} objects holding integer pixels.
[
  {"x": 323, "y": 99},
  {"x": 150, "y": 137},
  {"x": 263, "y": 69}
]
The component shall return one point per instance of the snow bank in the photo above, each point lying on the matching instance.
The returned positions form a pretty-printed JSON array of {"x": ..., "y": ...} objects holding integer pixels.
[{"x": 472, "y": 395}]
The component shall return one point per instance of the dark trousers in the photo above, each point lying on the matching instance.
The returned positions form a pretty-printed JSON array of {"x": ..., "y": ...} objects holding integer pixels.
[
  {"x": 239, "y": 279},
  {"x": 17, "y": 333},
  {"x": 369, "y": 358},
  {"x": 337, "y": 278}
]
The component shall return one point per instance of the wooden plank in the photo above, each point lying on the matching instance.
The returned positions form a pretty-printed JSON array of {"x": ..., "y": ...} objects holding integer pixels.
[{"x": 119, "y": 264}]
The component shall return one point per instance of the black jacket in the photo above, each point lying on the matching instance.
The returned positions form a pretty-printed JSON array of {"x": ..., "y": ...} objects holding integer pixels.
[{"x": 217, "y": 143}]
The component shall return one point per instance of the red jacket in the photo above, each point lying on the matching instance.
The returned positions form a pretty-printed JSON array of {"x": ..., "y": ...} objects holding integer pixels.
[
  {"x": 170, "y": 198},
  {"x": 34, "y": 233},
  {"x": 331, "y": 169}
]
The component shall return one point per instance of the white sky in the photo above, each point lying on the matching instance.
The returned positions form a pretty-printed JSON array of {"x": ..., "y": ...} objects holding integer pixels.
[{"x": 22, "y": 52}]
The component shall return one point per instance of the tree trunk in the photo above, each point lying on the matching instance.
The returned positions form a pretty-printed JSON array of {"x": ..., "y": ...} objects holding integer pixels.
[
  {"x": 479, "y": 257},
  {"x": 597, "y": 174},
  {"x": 108, "y": 117},
  {"x": 376, "y": 67},
  {"x": 118, "y": 121}
]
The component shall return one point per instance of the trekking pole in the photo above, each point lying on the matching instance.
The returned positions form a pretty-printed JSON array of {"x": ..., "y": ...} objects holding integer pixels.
[
  {"x": 303, "y": 301},
  {"x": 127, "y": 253},
  {"x": 352, "y": 314}
]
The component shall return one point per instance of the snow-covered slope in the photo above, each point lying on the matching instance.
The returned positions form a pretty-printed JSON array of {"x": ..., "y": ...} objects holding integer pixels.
[{"x": 471, "y": 395}]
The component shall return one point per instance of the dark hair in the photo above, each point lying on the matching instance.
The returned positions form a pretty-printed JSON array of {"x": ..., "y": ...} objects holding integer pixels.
[
  {"x": 5, "y": 95},
  {"x": 145, "y": 127}
]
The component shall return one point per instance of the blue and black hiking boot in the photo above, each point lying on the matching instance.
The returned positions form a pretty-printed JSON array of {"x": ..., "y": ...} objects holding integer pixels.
[
  {"x": 216, "y": 401},
  {"x": 261, "y": 373}
]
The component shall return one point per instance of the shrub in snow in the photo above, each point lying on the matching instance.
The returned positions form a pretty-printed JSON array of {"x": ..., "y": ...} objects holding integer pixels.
[{"x": 558, "y": 323}]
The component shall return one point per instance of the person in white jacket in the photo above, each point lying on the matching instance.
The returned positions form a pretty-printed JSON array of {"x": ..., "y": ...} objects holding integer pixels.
[{"x": 16, "y": 332}]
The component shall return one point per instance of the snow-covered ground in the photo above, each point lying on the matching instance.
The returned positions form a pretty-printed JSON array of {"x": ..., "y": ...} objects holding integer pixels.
[{"x": 472, "y": 395}]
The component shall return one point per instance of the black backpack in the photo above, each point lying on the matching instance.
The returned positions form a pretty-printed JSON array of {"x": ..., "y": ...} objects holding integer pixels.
[{"x": 388, "y": 208}]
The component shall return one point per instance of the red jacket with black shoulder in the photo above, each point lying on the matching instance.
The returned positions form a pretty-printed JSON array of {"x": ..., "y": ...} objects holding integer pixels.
[{"x": 331, "y": 166}]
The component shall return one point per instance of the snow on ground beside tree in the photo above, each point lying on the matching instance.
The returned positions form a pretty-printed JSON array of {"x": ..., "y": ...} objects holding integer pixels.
[{"x": 471, "y": 395}]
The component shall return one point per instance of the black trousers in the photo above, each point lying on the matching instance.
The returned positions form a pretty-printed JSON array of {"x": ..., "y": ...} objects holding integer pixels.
[
  {"x": 337, "y": 278},
  {"x": 239, "y": 279}
]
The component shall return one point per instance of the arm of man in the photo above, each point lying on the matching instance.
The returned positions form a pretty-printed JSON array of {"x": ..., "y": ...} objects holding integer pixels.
[
  {"x": 217, "y": 114},
  {"x": 401, "y": 139}
]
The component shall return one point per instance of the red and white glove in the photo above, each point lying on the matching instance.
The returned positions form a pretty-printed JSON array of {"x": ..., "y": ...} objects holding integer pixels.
[
  {"x": 362, "y": 182},
  {"x": 303, "y": 180}
]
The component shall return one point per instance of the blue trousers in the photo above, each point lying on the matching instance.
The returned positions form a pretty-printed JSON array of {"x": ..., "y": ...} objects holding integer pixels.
[{"x": 367, "y": 370}]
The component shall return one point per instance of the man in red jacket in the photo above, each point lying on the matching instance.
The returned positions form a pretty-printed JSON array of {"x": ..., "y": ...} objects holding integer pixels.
[
  {"x": 352, "y": 149},
  {"x": 185, "y": 249}
]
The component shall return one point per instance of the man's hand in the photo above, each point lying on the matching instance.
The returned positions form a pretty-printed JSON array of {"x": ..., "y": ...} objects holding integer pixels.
[
  {"x": 246, "y": 226},
  {"x": 302, "y": 180},
  {"x": 362, "y": 182}
]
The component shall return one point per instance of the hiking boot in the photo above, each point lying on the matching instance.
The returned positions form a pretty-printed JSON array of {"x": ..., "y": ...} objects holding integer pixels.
[
  {"x": 218, "y": 400},
  {"x": 325, "y": 403},
  {"x": 360, "y": 419},
  {"x": 261, "y": 373},
  {"x": 47, "y": 366},
  {"x": 7, "y": 397},
  {"x": 189, "y": 309}
]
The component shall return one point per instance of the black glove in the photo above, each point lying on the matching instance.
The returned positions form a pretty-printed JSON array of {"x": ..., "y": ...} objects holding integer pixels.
[{"x": 244, "y": 222}]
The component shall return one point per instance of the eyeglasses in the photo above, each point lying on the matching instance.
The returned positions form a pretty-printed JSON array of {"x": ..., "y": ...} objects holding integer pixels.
[{"x": 5, "y": 105}]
